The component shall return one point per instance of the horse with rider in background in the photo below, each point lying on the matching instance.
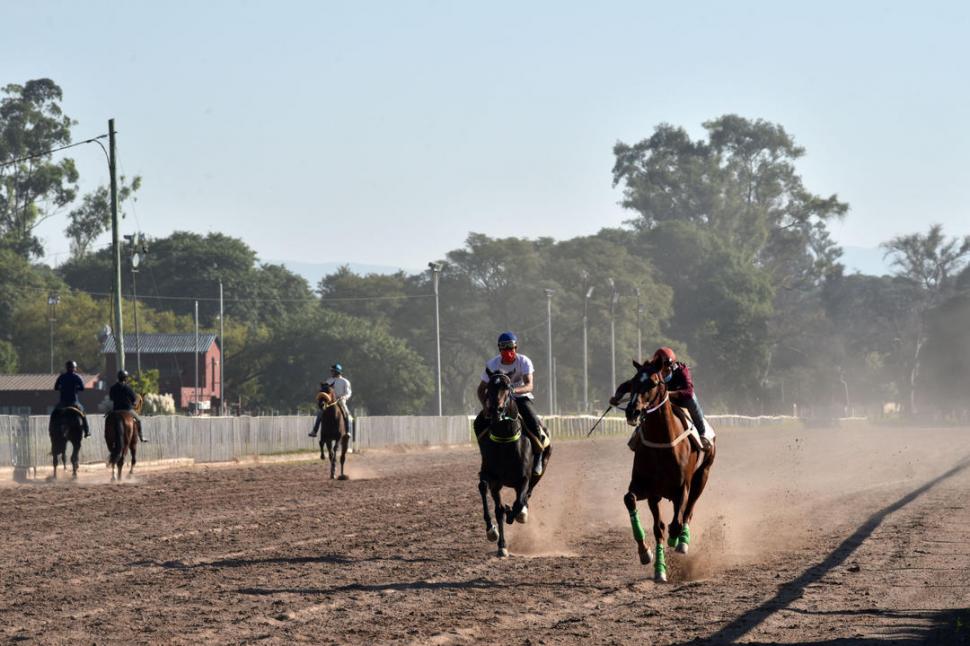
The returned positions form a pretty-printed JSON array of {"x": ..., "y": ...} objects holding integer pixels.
[
  {"x": 669, "y": 462},
  {"x": 66, "y": 425},
  {"x": 333, "y": 429}
]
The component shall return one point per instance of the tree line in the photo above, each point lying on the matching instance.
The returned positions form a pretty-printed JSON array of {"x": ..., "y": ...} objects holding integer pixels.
[{"x": 726, "y": 257}]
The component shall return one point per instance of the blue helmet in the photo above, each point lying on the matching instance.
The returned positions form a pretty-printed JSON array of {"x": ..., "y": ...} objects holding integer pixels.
[
  {"x": 507, "y": 338},
  {"x": 339, "y": 369}
]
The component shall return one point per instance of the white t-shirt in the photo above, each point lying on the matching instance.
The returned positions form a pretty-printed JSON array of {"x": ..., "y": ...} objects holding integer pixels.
[
  {"x": 517, "y": 370},
  {"x": 341, "y": 387}
]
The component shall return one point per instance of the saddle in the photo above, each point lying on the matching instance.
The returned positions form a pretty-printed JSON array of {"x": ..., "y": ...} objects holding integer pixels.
[
  {"x": 72, "y": 408},
  {"x": 690, "y": 433}
]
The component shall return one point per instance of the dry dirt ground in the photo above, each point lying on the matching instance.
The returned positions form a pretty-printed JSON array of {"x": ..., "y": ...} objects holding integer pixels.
[{"x": 822, "y": 536}]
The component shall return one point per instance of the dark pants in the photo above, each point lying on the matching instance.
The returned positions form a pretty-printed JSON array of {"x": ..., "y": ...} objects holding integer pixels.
[{"x": 693, "y": 406}]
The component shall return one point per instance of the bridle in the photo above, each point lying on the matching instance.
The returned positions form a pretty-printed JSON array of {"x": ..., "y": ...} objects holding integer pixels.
[
  {"x": 661, "y": 396},
  {"x": 498, "y": 380}
]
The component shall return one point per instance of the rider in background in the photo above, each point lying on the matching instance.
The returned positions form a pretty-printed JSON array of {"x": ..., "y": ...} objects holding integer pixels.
[
  {"x": 519, "y": 369},
  {"x": 680, "y": 387},
  {"x": 69, "y": 384},
  {"x": 342, "y": 391},
  {"x": 123, "y": 398}
]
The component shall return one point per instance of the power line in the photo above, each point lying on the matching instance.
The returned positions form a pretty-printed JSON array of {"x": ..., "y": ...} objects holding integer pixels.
[{"x": 52, "y": 150}]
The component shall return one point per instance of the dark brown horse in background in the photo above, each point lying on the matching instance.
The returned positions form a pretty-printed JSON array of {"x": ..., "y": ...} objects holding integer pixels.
[
  {"x": 666, "y": 464},
  {"x": 121, "y": 436},
  {"x": 66, "y": 425},
  {"x": 333, "y": 430}
]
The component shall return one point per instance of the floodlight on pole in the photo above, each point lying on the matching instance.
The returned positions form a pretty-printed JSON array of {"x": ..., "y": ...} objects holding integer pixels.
[
  {"x": 52, "y": 300},
  {"x": 589, "y": 294},
  {"x": 435, "y": 268},
  {"x": 549, "y": 293},
  {"x": 639, "y": 333},
  {"x": 614, "y": 298}
]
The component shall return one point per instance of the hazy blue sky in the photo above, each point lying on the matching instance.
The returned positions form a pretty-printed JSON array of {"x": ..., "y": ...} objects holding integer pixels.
[{"x": 383, "y": 132}]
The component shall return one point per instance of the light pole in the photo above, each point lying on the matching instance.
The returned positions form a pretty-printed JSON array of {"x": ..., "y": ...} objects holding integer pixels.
[
  {"x": 435, "y": 268},
  {"x": 639, "y": 334},
  {"x": 222, "y": 355},
  {"x": 137, "y": 248},
  {"x": 52, "y": 300},
  {"x": 589, "y": 293},
  {"x": 614, "y": 297},
  {"x": 549, "y": 293}
]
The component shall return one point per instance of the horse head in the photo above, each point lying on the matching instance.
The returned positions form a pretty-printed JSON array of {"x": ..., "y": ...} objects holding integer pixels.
[
  {"x": 647, "y": 391},
  {"x": 498, "y": 396},
  {"x": 326, "y": 395}
]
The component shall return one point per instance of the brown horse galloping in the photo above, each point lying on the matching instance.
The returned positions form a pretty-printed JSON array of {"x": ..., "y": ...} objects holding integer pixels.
[
  {"x": 665, "y": 465},
  {"x": 333, "y": 430},
  {"x": 121, "y": 435}
]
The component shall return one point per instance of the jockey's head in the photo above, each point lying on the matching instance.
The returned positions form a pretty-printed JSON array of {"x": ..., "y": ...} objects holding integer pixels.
[
  {"x": 507, "y": 345},
  {"x": 663, "y": 361},
  {"x": 122, "y": 376},
  {"x": 70, "y": 366},
  {"x": 336, "y": 370}
]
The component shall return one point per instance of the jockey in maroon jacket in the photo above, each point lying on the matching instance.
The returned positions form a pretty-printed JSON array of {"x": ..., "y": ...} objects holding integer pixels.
[{"x": 680, "y": 387}]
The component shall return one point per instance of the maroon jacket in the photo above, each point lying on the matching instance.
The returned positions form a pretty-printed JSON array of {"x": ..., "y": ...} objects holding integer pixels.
[{"x": 680, "y": 381}]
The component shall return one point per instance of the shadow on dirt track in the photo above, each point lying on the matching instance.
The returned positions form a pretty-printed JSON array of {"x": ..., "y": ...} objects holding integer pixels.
[{"x": 956, "y": 622}]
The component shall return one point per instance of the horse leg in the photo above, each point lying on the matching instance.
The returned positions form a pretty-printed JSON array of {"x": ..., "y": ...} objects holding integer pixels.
[
  {"x": 332, "y": 452},
  {"x": 490, "y": 531},
  {"x": 131, "y": 469},
  {"x": 500, "y": 515},
  {"x": 630, "y": 500},
  {"x": 344, "y": 443},
  {"x": 75, "y": 452},
  {"x": 697, "y": 483},
  {"x": 323, "y": 455},
  {"x": 520, "y": 509},
  {"x": 660, "y": 565},
  {"x": 54, "y": 455}
]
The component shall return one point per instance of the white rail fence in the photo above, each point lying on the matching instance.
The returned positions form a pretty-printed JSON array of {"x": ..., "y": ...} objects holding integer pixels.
[{"x": 25, "y": 443}]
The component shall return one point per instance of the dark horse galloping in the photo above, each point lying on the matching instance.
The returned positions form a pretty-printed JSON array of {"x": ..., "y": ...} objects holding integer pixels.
[
  {"x": 67, "y": 425},
  {"x": 333, "y": 429},
  {"x": 507, "y": 457},
  {"x": 121, "y": 435},
  {"x": 665, "y": 465}
]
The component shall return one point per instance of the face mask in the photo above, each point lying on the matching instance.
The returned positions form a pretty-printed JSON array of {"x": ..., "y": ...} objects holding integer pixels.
[{"x": 508, "y": 356}]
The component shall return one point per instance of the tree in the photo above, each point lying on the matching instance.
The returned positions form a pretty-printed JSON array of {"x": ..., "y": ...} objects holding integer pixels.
[
  {"x": 930, "y": 262},
  {"x": 32, "y": 187},
  {"x": 93, "y": 217}
]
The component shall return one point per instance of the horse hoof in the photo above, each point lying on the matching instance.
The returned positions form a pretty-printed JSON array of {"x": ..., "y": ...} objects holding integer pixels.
[
  {"x": 523, "y": 516},
  {"x": 343, "y": 477},
  {"x": 646, "y": 558},
  {"x": 492, "y": 534},
  {"x": 660, "y": 577},
  {"x": 502, "y": 552},
  {"x": 682, "y": 548}
]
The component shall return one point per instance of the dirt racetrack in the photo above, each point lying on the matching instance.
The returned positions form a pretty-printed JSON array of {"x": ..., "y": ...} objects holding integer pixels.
[{"x": 822, "y": 536}]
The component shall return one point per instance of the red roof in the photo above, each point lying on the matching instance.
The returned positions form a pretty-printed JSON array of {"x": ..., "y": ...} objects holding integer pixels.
[{"x": 39, "y": 381}]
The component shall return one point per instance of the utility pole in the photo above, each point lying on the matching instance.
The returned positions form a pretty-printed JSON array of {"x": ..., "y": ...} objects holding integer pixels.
[
  {"x": 137, "y": 248},
  {"x": 589, "y": 293},
  {"x": 116, "y": 246},
  {"x": 222, "y": 355},
  {"x": 552, "y": 403},
  {"x": 52, "y": 300},
  {"x": 196, "y": 357},
  {"x": 639, "y": 333},
  {"x": 614, "y": 297},
  {"x": 435, "y": 268}
]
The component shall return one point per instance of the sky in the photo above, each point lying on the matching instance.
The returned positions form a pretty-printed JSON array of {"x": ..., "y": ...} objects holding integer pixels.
[{"x": 382, "y": 133}]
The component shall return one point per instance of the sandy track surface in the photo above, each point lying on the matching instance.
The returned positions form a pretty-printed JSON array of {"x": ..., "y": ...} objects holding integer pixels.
[{"x": 803, "y": 536}]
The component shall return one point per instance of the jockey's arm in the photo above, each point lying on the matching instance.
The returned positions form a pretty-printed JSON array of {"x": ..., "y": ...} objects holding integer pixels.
[
  {"x": 526, "y": 386},
  {"x": 621, "y": 390}
]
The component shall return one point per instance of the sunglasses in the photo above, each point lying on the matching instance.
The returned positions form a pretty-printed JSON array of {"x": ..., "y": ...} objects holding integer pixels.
[{"x": 507, "y": 346}]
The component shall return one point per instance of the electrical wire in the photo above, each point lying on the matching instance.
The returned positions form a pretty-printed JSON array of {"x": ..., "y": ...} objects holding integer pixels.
[{"x": 52, "y": 150}]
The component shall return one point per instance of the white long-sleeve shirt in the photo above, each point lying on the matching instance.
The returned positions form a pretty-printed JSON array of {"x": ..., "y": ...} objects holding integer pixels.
[{"x": 341, "y": 387}]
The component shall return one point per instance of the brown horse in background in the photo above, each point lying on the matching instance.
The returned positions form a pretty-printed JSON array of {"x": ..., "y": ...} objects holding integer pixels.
[
  {"x": 121, "y": 436},
  {"x": 665, "y": 465},
  {"x": 333, "y": 430}
]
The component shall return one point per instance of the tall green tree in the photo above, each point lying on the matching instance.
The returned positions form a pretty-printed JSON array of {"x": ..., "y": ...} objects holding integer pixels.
[
  {"x": 32, "y": 186},
  {"x": 93, "y": 216}
]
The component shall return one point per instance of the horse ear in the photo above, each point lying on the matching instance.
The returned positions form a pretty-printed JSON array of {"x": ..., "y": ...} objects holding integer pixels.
[
  {"x": 489, "y": 371},
  {"x": 638, "y": 366}
]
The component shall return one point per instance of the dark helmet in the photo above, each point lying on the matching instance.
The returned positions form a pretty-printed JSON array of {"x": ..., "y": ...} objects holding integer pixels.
[
  {"x": 122, "y": 375},
  {"x": 339, "y": 369},
  {"x": 507, "y": 339},
  {"x": 70, "y": 366},
  {"x": 664, "y": 356}
]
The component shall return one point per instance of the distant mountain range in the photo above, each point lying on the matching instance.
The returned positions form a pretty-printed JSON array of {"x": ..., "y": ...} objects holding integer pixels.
[
  {"x": 314, "y": 271},
  {"x": 866, "y": 260}
]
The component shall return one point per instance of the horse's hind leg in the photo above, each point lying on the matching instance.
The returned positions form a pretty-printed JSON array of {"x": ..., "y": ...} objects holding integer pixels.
[
  {"x": 697, "y": 483},
  {"x": 520, "y": 509},
  {"x": 490, "y": 531},
  {"x": 660, "y": 565},
  {"x": 500, "y": 514},
  {"x": 630, "y": 501},
  {"x": 332, "y": 453},
  {"x": 131, "y": 469},
  {"x": 75, "y": 452}
]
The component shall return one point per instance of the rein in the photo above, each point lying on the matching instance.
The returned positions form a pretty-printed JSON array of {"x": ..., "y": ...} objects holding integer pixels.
[
  {"x": 503, "y": 416},
  {"x": 658, "y": 445}
]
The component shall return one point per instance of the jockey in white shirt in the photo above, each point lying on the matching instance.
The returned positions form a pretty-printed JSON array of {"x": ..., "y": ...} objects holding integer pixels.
[{"x": 342, "y": 391}]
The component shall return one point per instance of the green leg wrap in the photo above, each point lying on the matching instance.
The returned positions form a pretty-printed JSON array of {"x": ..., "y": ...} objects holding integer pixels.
[
  {"x": 682, "y": 537},
  {"x": 661, "y": 562},
  {"x": 637, "y": 527}
]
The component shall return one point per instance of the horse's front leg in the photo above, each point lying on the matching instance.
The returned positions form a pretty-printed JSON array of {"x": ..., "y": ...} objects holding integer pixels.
[
  {"x": 630, "y": 501},
  {"x": 520, "y": 509},
  {"x": 490, "y": 531},
  {"x": 679, "y": 536},
  {"x": 500, "y": 515},
  {"x": 332, "y": 453},
  {"x": 344, "y": 443},
  {"x": 54, "y": 455},
  {"x": 660, "y": 565}
]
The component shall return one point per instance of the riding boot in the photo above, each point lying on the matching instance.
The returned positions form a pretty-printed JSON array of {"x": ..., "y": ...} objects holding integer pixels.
[
  {"x": 141, "y": 436},
  {"x": 316, "y": 426},
  {"x": 87, "y": 431}
]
